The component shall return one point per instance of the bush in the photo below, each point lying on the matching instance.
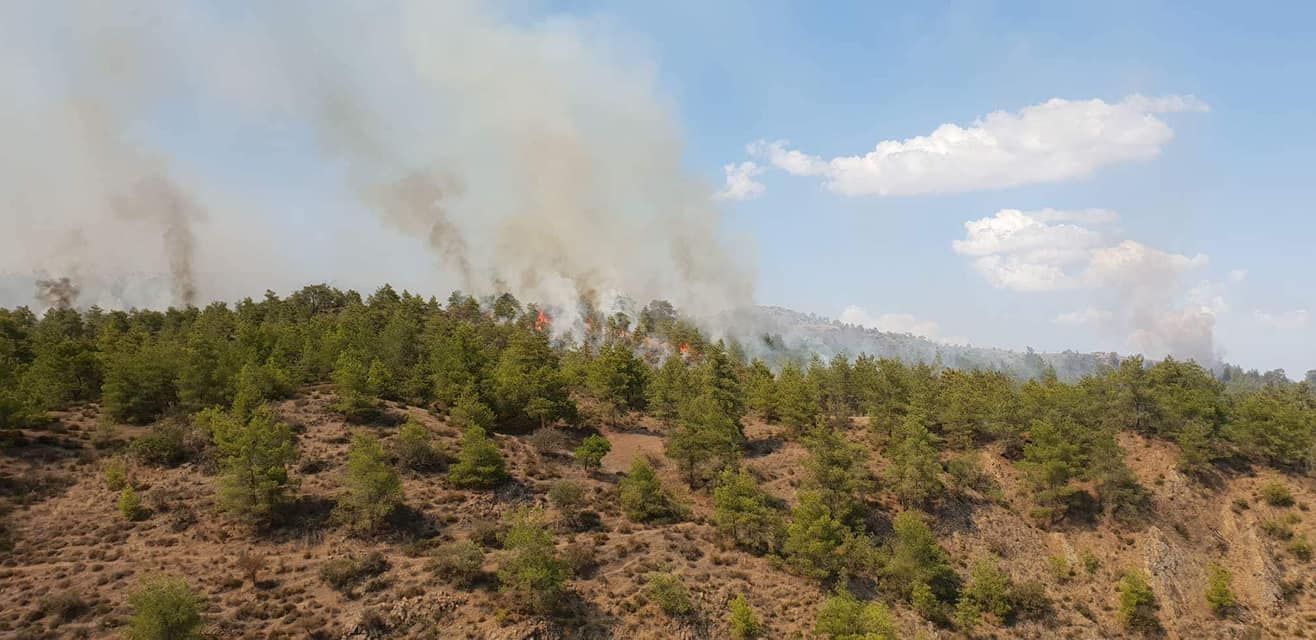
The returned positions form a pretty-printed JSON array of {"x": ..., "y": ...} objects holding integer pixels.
[
  {"x": 1137, "y": 611},
  {"x": 64, "y": 605},
  {"x": 915, "y": 559},
  {"x": 842, "y": 617},
  {"x": 479, "y": 463},
  {"x": 254, "y": 454},
  {"x": 548, "y": 440},
  {"x": 989, "y": 588},
  {"x": 1276, "y": 494},
  {"x": 165, "y": 608},
  {"x": 164, "y": 444},
  {"x": 1300, "y": 548},
  {"x": 590, "y": 453},
  {"x": 374, "y": 490},
  {"x": 744, "y": 623},
  {"x": 670, "y": 594},
  {"x": 532, "y": 568},
  {"x": 643, "y": 497},
  {"x": 1090, "y": 562},
  {"x": 130, "y": 504},
  {"x": 1219, "y": 592},
  {"x": 461, "y": 563},
  {"x": 744, "y": 513},
  {"x": 346, "y": 572},
  {"x": 1030, "y": 601},
  {"x": 569, "y": 499},
  {"x": 115, "y": 473},
  {"x": 1060, "y": 568},
  {"x": 414, "y": 448}
]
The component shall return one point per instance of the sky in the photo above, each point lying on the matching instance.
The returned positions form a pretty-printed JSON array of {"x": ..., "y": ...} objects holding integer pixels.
[
  {"x": 1216, "y": 192},
  {"x": 1130, "y": 177}
]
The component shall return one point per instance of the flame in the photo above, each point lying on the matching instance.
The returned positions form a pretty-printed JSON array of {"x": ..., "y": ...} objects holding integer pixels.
[
  {"x": 589, "y": 326},
  {"x": 541, "y": 321},
  {"x": 684, "y": 348}
]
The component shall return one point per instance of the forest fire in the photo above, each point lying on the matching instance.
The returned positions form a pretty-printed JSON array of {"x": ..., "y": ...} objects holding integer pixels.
[
  {"x": 541, "y": 321},
  {"x": 684, "y": 348}
]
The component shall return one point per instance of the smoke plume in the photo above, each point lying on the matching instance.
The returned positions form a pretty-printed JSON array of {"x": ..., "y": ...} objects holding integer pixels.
[
  {"x": 517, "y": 149},
  {"x": 59, "y": 293}
]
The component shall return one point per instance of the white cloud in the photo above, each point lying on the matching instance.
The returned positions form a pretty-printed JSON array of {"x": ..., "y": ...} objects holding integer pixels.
[
  {"x": 741, "y": 184},
  {"x": 1237, "y": 275},
  {"x": 1295, "y": 319},
  {"x": 898, "y": 323},
  {"x": 1140, "y": 290},
  {"x": 1048, "y": 142}
]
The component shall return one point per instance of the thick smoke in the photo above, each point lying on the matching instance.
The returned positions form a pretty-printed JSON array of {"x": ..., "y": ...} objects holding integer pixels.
[
  {"x": 531, "y": 152},
  {"x": 59, "y": 293}
]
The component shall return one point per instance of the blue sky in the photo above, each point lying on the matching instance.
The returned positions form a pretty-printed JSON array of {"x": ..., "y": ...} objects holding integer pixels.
[
  {"x": 1234, "y": 183},
  {"x": 1116, "y": 176}
]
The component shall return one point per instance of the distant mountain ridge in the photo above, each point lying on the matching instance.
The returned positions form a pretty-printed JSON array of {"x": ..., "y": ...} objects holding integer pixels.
[{"x": 777, "y": 334}]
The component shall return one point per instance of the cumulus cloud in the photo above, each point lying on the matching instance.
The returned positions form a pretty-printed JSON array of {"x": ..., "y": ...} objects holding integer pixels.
[
  {"x": 898, "y": 323},
  {"x": 1049, "y": 142},
  {"x": 1141, "y": 290},
  {"x": 741, "y": 184},
  {"x": 1295, "y": 319}
]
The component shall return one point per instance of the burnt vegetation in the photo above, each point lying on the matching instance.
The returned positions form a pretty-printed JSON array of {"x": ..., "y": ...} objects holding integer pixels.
[{"x": 324, "y": 465}]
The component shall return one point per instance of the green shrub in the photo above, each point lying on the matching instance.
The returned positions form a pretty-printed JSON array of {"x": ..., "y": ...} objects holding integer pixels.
[
  {"x": 532, "y": 568},
  {"x": 254, "y": 454},
  {"x": 460, "y": 563},
  {"x": 1219, "y": 590},
  {"x": 479, "y": 463},
  {"x": 414, "y": 447},
  {"x": 164, "y": 444},
  {"x": 670, "y": 594},
  {"x": 745, "y": 513},
  {"x": 989, "y": 587},
  {"x": 569, "y": 499},
  {"x": 842, "y": 617},
  {"x": 643, "y": 497},
  {"x": 164, "y": 608},
  {"x": 1276, "y": 494},
  {"x": 348, "y": 571},
  {"x": 1137, "y": 610},
  {"x": 1060, "y": 568},
  {"x": 744, "y": 623},
  {"x": 115, "y": 473},
  {"x": 1276, "y": 528},
  {"x": 130, "y": 504},
  {"x": 1030, "y": 601},
  {"x": 1300, "y": 548},
  {"x": 374, "y": 490},
  {"x": 590, "y": 453},
  {"x": 64, "y": 605},
  {"x": 1090, "y": 562},
  {"x": 915, "y": 561}
]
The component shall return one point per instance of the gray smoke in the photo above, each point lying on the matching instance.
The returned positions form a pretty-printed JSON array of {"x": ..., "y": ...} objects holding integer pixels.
[
  {"x": 59, "y": 293},
  {"x": 531, "y": 151}
]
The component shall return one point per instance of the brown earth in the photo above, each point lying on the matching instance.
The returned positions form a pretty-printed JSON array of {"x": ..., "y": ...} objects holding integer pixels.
[{"x": 70, "y": 539}]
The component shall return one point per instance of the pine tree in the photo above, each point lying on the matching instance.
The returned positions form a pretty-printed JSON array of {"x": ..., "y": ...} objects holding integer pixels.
[
  {"x": 374, "y": 489},
  {"x": 479, "y": 463},
  {"x": 914, "y": 473},
  {"x": 797, "y": 400},
  {"x": 707, "y": 441},
  {"x": 744, "y": 513},
  {"x": 254, "y": 458},
  {"x": 532, "y": 568}
]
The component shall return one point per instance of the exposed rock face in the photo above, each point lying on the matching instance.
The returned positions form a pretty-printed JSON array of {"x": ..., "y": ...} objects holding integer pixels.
[{"x": 1173, "y": 572}]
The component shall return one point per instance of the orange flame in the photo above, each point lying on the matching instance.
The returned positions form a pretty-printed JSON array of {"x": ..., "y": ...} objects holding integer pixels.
[
  {"x": 541, "y": 321},
  {"x": 589, "y": 326},
  {"x": 684, "y": 348}
]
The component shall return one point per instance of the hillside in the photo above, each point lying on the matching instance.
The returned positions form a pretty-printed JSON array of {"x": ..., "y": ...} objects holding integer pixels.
[{"x": 329, "y": 466}]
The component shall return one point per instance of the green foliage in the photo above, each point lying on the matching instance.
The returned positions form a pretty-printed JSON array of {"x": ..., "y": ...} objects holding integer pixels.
[
  {"x": 139, "y": 383},
  {"x": 165, "y": 444},
  {"x": 351, "y": 381},
  {"x": 616, "y": 378},
  {"x": 742, "y": 620},
  {"x": 669, "y": 389},
  {"x": 532, "y": 568},
  {"x": 569, "y": 499},
  {"x": 591, "y": 451},
  {"x": 460, "y": 563},
  {"x": 708, "y": 440},
  {"x": 915, "y": 472},
  {"x": 914, "y": 561},
  {"x": 842, "y": 617},
  {"x": 1275, "y": 426},
  {"x": 470, "y": 412},
  {"x": 528, "y": 387},
  {"x": 1300, "y": 547},
  {"x": 744, "y": 513},
  {"x": 164, "y": 608},
  {"x": 670, "y": 593},
  {"x": 797, "y": 400},
  {"x": 414, "y": 447},
  {"x": 643, "y": 497},
  {"x": 374, "y": 489},
  {"x": 1219, "y": 590},
  {"x": 130, "y": 504},
  {"x": 479, "y": 462},
  {"x": 837, "y": 473},
  {"x": 1137, "y": 609},
  {"x": 818, "y": 544},
  {"x": 761, "y": 392},
  {"x": 115, "y": 473},
  {"x": 254, "y": 455},
  {"x": 1276, "y": 494}
]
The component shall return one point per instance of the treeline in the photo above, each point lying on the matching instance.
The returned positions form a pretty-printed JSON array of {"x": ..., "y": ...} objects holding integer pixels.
[{"x": 498, "y": 354}]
